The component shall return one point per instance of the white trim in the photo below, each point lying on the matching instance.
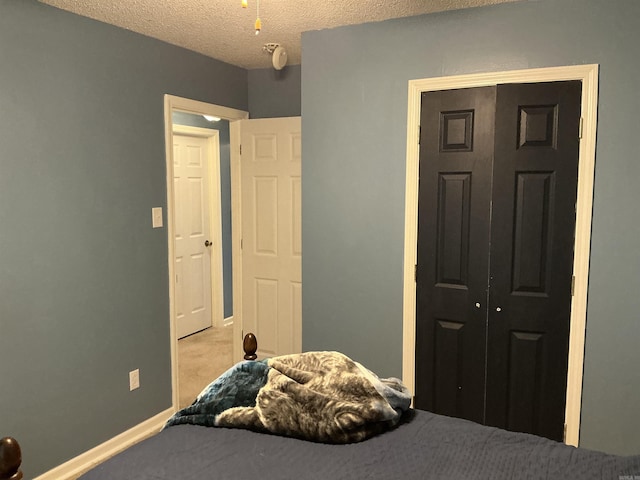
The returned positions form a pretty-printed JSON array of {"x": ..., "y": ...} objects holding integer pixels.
[
  {"x": 171, "y": 104},
  {"x": 215, "y": 215},
  {"x": 228, "y": 322},
  {"x": 588, "y": 74},
  {"x": 236, "y": 239},
  {"x": 89, "y": 459}
]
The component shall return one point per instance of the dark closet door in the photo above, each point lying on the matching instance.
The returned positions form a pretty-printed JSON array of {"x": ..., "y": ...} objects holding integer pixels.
[
  {"x": 456, "y": 151},
  {"x": 496, "y": 222},
  {"x": 535, "y": 174}
]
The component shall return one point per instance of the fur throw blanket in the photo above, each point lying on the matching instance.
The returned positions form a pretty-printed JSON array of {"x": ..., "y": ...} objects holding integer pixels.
[{"x": 318, "y": 396}]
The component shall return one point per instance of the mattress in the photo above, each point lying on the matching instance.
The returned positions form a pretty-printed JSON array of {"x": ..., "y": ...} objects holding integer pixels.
[{"x": 423, "y": 446}]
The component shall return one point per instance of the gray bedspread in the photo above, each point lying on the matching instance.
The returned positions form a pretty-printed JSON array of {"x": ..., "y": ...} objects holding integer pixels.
[{"x": 423, "y": 446}]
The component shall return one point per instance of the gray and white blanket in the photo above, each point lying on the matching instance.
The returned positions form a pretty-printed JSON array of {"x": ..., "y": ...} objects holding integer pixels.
[{"x": 318, "y": 396}]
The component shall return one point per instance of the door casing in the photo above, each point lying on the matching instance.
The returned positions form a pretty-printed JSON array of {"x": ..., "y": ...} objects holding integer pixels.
[
  {"x": 588, "y": 75},
  {"x": 171, "y": 104}
]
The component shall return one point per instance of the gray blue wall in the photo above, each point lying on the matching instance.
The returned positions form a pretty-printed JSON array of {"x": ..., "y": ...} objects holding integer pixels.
[
  {"x": 354, "y": 107},
  {"x": 83, "y": 276},
  {"x": 183, "y": 118},
  {"x": 274, "y": 93}
]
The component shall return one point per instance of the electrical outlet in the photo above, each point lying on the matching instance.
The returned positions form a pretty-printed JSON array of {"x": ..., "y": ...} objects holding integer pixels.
[{"x": 134, "y": 379}]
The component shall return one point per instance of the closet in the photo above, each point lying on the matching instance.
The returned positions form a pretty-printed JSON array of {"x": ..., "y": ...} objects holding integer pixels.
[{"x": 496, "y": 223}]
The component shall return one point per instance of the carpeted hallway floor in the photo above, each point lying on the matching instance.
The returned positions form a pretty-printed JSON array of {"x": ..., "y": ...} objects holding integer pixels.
[{"x": 202, "y": 357}]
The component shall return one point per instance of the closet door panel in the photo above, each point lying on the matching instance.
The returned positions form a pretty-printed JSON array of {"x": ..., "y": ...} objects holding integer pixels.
[
  {"x": 453, "y": 241},
  {"x": 496, "y": 221},
  {"x": 532, "y": 237}
]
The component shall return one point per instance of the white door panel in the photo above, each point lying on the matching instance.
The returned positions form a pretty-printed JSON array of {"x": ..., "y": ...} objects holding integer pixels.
[
  {"x": 271, "y": 230},
  {"x": 192, "y": 228}
]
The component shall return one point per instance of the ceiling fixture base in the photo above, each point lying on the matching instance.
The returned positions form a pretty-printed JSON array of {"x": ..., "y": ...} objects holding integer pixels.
[
  {"x": 278, "y": 55},
  {"x": 270, "y": 47}
]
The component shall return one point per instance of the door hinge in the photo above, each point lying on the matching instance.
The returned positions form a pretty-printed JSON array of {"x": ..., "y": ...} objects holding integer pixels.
[
  {"x": 419, "y": 133},
  {"x": 580, "y": 128},
  {"x": 241, "y": 243},
  {"x": 241, "y": 149},
  {"x": 564, "y": 433},
  {"x": 415, "y": 273},
  {"x": 573, "y": 285}
]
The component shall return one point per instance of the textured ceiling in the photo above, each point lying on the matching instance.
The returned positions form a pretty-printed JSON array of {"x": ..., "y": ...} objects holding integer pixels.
[{"x": 224, "y": 30}]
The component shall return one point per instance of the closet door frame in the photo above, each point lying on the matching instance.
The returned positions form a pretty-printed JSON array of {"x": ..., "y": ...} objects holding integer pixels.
[{"x": 588, "y": 75}]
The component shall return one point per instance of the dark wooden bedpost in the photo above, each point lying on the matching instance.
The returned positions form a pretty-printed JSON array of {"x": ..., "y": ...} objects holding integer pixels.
[
  {"x": 250, "y": 345},
  {"x": 10, "y": 459}
]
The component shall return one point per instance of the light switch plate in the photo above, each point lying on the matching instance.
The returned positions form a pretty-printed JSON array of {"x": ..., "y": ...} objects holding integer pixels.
[
  {"x": 156, "y": 217},
  {"x": 134, "y": 379}
]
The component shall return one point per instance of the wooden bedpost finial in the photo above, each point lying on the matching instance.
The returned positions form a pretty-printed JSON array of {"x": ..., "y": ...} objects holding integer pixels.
[
  {"x": 10, "y": 459},
  {"x": 250, "y": 345}
]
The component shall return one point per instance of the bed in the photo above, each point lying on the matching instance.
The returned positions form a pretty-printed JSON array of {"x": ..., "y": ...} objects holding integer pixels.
[{"x": 420, "y": 445}]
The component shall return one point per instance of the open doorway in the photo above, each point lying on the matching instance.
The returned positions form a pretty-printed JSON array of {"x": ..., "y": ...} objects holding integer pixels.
[{"x": 214, "y": 345}]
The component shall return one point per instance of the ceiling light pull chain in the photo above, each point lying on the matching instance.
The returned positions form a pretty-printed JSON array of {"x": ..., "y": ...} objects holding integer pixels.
[{"x": 258, "y": 21}]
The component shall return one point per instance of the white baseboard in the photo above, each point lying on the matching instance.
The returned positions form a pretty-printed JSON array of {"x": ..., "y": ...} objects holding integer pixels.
[
  {"x": 86, "y": 461},
  {"x": 227, "y": 322}
]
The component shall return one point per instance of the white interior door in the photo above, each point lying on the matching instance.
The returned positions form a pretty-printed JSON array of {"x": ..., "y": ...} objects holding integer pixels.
[
  {"x": 271, "y": 233},
  {"x": 192, "y": 231}
]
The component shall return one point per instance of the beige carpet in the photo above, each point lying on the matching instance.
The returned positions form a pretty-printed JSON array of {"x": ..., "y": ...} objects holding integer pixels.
[{"x": 202, "y": 357}]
